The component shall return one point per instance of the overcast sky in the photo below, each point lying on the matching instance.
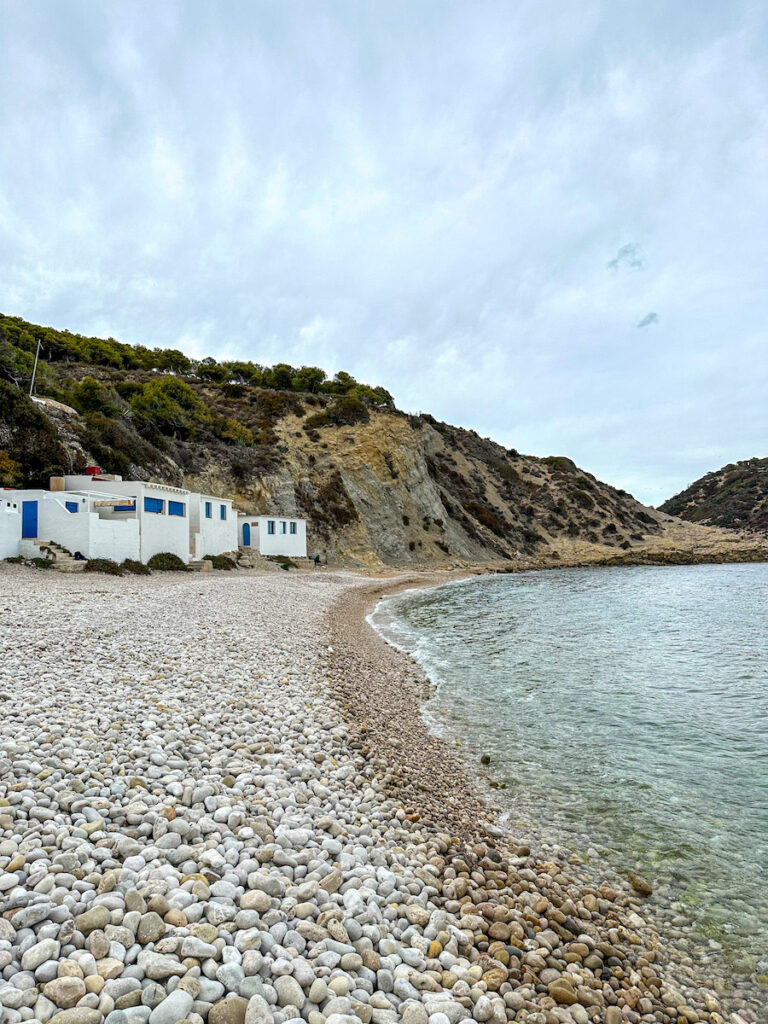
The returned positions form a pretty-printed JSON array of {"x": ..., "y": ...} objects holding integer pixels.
[{"x": 544, "y": 220}]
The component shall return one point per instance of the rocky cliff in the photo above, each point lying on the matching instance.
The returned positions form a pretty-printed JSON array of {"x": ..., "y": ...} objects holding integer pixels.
[{"x": 378, "y": 487}]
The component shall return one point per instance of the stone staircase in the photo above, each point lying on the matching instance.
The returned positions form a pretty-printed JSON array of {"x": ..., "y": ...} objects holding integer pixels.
[
  {"x": 201, "y": 565},
  {"x": 63, "y": 560}
]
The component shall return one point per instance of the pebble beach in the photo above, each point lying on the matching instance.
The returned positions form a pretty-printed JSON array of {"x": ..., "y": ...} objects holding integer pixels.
[{"x": 219, "y": 801}]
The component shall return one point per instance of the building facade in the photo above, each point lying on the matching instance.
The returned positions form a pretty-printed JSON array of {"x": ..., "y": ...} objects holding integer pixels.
[
  {"x": 212, "y": 526},
  {"x": 161, "y": 511},
  {"x": 78, "y": 521},
  {"x": 274, "y": 535}
]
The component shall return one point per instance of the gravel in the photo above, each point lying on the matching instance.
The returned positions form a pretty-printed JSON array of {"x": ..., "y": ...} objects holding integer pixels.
[{"x": 195, "y": 826}]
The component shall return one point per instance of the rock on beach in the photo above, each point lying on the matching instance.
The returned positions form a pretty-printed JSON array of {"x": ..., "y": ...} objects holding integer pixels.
[{"x": 206, "y": 815}]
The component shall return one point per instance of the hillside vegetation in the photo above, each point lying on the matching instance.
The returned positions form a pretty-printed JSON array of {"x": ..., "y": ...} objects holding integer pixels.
[
  {"x": 735, "y": 497},
  {"x": 378, "y": 487}
]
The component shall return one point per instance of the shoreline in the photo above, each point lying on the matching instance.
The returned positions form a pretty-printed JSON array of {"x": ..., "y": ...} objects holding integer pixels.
[
  {"x": 219, "y": 802},
  {"x": 445, "y": 763}
]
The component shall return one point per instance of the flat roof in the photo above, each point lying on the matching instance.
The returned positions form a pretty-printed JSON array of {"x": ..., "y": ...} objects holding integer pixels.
[{"x": 271, "y": 515}]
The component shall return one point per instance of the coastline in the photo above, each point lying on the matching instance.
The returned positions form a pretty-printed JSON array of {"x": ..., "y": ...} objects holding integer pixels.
[{"x": 455, "y": 795}]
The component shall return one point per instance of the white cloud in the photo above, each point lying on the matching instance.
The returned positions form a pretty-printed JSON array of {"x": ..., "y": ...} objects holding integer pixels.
[{"x": 427, "y": 196}]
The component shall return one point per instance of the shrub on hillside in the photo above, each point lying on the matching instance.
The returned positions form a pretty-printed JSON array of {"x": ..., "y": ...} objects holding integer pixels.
[
  {"x": 11, "y": 472},
  {"x": 171, "y": 406},
  {"x": 41, "y": 563},
  {"x": 105, "y": 565},
  {"x": 236, "y": 433},
  {"x": 166, "y": 561},
  {"x": 345, "y": 411},
  {"x": 33, "y": 441}
]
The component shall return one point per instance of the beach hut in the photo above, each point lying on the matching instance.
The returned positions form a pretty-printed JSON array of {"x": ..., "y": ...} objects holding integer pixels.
[
  {"x": 77, "y": 522},
  {"x": 161, "y": 511},
  {"x": 274, "y": 534}
]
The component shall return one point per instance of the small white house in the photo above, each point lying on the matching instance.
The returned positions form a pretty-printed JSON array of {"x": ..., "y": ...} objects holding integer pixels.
[
  {"x": 212, "y": 525},
  {"x": 162, "y": 512},
  {"x": 274, "y": 535},
  {"x": 78, "y": 521},
  {"x": 10, "y": 527},
  {"x": 103, "y": 516}
]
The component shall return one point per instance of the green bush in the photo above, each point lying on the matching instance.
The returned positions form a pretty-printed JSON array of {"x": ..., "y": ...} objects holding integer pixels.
[
  {"x": 220, "y": 561},
  {"x": 165, "y": 561},
  {"x": 136, "y": 568},
  {"x": 345, "y": 411},
  {"x": 105, "y": 565},
  {"x": 33, "y": 441},
  {"x": 41, "y": 563},
  {"x": 171, "y": 407},
  {"x": 91, "y": 396},
  {"x": 15, "y": 560}
]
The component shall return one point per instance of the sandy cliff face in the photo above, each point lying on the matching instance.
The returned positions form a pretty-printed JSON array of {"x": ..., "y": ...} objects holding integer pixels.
[
  {"x": 402, "y": 490},
  {"x": 385, "y": 490}
]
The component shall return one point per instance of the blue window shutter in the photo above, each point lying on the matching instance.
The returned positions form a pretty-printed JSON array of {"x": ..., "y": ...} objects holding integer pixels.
[
  {"x": 153, "y": 505},
  {"x": 175, "y": 508},
  {"x": 293, "y": 527},
  {"x": 208, "y": 513},
  {"x": 223, "y": 511},
  {"x": 71, "y": 506},
  {"x": 271, "y": 526},
  {"x": 126, "y": 508}
]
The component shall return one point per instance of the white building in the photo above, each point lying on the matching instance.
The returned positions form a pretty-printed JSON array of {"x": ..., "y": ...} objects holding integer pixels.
[
  {"x": 274, "y": 535},
  {"x": 162, "y": 512},
  {"x": 212, "y": 526},
  {"x": 10, "y": 527},
  {"x": 81, "y": 522},
  {"x": 103, "y": 516}
]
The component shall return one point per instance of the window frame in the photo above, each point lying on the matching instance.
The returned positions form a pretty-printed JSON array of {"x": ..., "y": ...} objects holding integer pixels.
[
  {"x": 159, "y": 502},
  {"x": 177, "y": 508}
]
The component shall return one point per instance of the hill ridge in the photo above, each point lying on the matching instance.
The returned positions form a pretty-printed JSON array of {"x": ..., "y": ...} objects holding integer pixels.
[{"x": 378, "y": 486}]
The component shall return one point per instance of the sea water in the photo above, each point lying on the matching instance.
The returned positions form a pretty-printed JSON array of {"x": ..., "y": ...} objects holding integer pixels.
[{"x": 626, "y": 712}]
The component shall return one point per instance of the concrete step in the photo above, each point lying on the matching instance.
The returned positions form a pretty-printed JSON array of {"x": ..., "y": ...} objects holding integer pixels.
[
  {"x": 63, "y": 560},
  {"x": 201, "y": 565}
]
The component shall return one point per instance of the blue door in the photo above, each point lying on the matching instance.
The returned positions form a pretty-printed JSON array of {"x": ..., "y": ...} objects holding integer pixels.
[
  {"x": 246, "y": 535},
  {"x": 29, "y": 519}
]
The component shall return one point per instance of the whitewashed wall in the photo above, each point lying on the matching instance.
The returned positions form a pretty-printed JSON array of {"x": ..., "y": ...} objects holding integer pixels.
[
  {"x": 290, "y": 544},
  {"x": 158, "y": 532},
  {"x": 213, "y": 536},
  {"x": 113, "y": 539},
  {"x": 10, "y": 528},
  {"x": 83, "y": 530}
]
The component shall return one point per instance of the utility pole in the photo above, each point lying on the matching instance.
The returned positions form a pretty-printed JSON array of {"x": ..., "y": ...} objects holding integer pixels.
[{"x": 34, "y": 370}]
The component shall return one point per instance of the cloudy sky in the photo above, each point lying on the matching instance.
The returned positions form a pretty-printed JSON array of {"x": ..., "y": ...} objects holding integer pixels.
[{"x": 544, "y": 220}]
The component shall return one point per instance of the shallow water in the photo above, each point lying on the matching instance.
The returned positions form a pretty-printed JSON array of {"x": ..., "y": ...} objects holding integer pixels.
[{"x": 625, "y": 709}]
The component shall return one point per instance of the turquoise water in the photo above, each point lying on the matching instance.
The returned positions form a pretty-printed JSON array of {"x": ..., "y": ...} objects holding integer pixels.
[{"x": 626, "y": 710}]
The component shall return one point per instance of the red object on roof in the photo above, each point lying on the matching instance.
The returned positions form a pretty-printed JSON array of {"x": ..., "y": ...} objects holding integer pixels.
[{"x": 93, "y": 471}]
